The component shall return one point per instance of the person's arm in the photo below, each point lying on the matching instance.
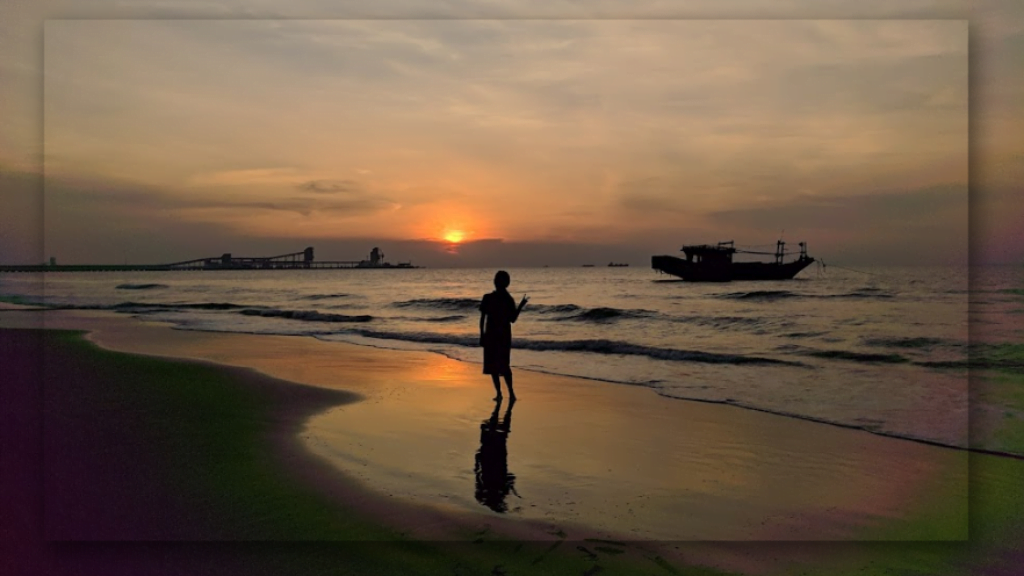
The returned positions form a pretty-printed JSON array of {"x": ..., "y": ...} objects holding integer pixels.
[
  {"x": 483, "y": 316},
  {"x": 515, "y": 315}
]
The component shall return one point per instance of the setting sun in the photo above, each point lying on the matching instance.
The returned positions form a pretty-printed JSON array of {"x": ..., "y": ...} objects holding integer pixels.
[{"x": 454, "y": 236}]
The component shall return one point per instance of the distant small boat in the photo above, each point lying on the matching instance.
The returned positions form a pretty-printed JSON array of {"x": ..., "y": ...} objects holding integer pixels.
[
  {"x": 713, "y": 263},
  {"x": 588, "y": 265},
  {"x": 617, "y": 264}
]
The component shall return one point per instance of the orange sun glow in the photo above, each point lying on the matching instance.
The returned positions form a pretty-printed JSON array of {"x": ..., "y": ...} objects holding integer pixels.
[{"x": 454, "y": 236}]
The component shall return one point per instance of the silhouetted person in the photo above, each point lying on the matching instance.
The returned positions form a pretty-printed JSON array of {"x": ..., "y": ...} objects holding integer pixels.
[
  {"x": 498, "y": 311},
  {"x": 493, "y": 480}
]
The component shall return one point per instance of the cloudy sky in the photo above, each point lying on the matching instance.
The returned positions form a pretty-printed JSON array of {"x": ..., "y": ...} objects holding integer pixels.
[{"x": 504, "y": 141}]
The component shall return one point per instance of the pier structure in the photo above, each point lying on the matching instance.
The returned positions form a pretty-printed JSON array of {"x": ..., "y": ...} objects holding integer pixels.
[{"x": 294, "y": 261}]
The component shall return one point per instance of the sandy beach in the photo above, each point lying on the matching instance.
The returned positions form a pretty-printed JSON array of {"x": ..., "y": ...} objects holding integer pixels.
[{"x": 389, "y": 438}]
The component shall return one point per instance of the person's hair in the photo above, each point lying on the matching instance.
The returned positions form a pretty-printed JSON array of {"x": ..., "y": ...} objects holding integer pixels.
[{"x": 502, "y": 279}]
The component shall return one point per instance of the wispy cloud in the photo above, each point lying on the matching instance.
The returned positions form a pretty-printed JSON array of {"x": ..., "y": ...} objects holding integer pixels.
[
  {"x": 331, "y": 187},
  {"x": 261, "y": 176}
]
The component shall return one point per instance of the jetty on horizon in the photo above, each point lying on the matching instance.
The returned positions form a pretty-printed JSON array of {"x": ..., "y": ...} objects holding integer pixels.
[{"x": 294, "y": 261}]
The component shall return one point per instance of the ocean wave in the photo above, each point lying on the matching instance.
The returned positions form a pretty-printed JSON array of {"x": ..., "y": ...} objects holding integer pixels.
[
  {"x": 453, "y": 318},
  {"x": 720, "y": 322},
  {"x": 603, "y": 314},
  {"x": 601, "y": 346},
  {"x": 440, "y": 303},
  {"x": 999, "y": 355},
  {"x": 953, "y": 364},
  {"x": 1002, "y": 363},
  {"x": 759, "y": 295},
  {"x": 176, "y": 306},
  {"x": 855, "y": 356},
  {"x": 917, "y": 342},
  {"x": 343, "y": 306},
  {"x": 860, "y": 293},
  {"x": 324, "y": 296},
  {"x": 596, "y": 346},
  {"x": 307, "y": 315},
  {"x": 773, "y": 295},
  {"x": 976, "y": 363},
  {"x": 139, "y": 286},
  {"x": 554, "y": 308}
]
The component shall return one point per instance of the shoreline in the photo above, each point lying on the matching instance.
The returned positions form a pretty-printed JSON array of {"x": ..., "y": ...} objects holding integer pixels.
[
  {"x": 398, "y": 386},
  {"x": 10, "y": 307},
  {"x": 738, "y": 556}
]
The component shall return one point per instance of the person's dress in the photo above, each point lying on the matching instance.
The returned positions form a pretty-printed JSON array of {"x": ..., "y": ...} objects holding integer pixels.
[{"x": 500, "y": 309}]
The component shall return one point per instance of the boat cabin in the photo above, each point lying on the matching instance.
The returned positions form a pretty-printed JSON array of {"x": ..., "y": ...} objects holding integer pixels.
[{"x": 720, "y": 254}]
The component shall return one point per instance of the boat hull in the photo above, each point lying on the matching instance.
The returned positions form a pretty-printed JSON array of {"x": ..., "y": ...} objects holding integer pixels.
[{"x": 729, "y": 271}]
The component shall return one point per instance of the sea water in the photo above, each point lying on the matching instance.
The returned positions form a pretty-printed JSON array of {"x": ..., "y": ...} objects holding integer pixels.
[{"x": 882, "y": 349}]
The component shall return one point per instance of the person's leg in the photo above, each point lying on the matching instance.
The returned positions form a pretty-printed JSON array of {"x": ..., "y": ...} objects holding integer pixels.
[
  {"x": 508, "y": 382},
  {"x": 497, "y": 386}
]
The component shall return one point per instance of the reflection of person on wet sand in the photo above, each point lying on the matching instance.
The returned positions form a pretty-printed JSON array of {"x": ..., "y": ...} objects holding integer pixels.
[
  {"x": 498, "y": 312},
  {"x": 493, "y": 480}
]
